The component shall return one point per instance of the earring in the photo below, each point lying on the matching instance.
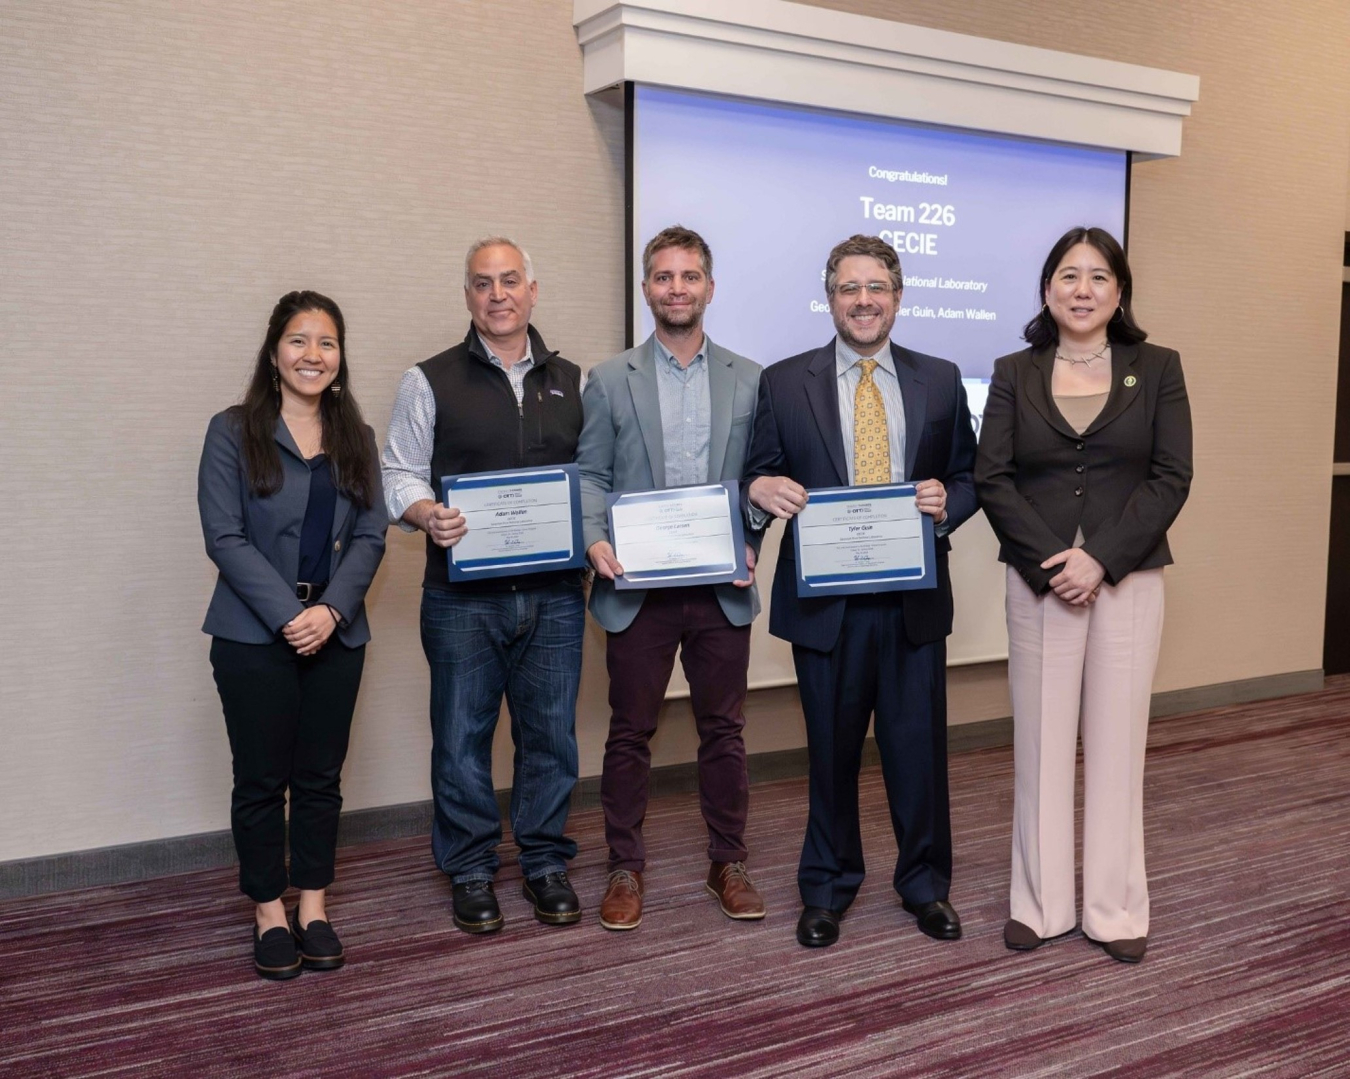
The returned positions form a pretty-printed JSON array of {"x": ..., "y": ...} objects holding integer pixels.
[
  {"x": 1045, "y": 310},
  {"x": 276, "y": 381},
  {"x": 336, "y": 389}
]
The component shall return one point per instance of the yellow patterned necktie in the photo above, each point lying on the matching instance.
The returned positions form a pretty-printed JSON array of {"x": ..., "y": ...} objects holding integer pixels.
[{"x": 871, "y": 444}]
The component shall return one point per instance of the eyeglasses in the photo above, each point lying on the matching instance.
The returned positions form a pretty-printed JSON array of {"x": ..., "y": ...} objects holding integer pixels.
[{"x": 872, "y": 288}]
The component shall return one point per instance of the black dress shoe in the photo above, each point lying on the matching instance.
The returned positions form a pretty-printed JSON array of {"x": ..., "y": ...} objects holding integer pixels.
[
  {"x": 937, "y": 919},
  {"x": 818, "y": 927},
  {"x": 555, "y": 903},
  {"x": 317, "y": 944},
  {"x": 274, "y": 954},
  {"x": 475, "y": 907}
]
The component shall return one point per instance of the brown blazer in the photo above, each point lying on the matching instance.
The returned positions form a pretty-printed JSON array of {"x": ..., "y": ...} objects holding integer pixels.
[{"x": 1123, "y": 481}]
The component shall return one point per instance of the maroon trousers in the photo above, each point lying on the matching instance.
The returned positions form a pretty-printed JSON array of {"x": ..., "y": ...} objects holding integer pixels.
[{"x": 715, "y": 656}]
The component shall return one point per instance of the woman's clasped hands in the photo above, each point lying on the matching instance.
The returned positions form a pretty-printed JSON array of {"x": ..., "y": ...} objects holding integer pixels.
[
  {"x": 309, "y": 630},
  {"x": 1081, "y": 578}
]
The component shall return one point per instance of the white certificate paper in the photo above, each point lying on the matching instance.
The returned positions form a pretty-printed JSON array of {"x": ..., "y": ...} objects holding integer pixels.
[
  {"x": 863, "y": 539},
  {"x": 518, "y": 522},
  {"x": 678, "y": 536}
]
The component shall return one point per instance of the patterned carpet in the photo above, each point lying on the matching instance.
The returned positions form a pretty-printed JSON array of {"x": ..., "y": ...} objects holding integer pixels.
[{"x": 1248, "y": 971}]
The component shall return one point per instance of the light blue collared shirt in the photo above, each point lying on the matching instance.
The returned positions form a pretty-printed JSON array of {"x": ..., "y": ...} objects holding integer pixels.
[
  {"x": 686, "y": 414},
  {"x": 849, "y": 374}
]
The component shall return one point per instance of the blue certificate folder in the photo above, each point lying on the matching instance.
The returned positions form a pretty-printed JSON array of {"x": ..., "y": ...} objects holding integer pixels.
[
  {"x": 678, "y": 536},
  {"x": 521, "y": 520},
  {"x": 863, "y": 539}
]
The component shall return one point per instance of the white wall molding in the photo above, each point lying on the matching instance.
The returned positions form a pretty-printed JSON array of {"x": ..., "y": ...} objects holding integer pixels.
[{"x": 772, "y": 50}]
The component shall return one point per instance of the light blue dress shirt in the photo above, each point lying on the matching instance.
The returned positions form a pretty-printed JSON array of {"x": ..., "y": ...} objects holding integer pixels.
[{"x": 686, "y": 414}]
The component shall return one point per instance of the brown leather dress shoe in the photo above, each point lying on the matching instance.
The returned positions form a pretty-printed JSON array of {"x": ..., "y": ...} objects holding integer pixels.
[
  {"x": 730, "y": 884},
  {"x": 622, "y": 906}
]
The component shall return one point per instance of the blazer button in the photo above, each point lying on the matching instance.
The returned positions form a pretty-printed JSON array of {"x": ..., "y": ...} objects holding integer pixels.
[
  {"x": 1079, "y": 446},
  {"x": 1079, "y": 468},
  {"x": 1078, "y": 492},
  {"x": 337, "y": 544}
]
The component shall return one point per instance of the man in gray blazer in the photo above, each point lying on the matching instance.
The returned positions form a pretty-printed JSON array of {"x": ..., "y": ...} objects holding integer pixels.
[{"x": 674, "y": 411}]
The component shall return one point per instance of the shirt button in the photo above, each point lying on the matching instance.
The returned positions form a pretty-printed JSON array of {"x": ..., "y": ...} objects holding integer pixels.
[
  {"x": 337, "y": 545},
  {"x": 1079, "y": 468},
  {"x": 1080, "y": 446},
  {"x": 1078, "y": 492}
]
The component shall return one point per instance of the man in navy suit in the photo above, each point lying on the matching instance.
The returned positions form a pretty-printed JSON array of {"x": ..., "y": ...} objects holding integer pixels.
[{"x": 865, "y": 410}]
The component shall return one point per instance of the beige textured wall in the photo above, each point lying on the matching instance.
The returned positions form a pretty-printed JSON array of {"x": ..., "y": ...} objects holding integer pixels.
[{"x": 170, "y": 169}]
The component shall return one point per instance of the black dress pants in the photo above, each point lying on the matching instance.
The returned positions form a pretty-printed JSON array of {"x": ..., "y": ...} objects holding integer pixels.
[
  {"x": 288, "y": 718},
  {"x": 873, "y": 669}
]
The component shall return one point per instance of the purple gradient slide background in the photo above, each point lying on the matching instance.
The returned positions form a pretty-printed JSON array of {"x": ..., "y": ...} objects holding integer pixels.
[{"x": 773, "y": 188}]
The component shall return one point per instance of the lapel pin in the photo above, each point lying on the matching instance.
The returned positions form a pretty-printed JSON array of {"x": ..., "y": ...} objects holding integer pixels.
[{"x": 1130, "y": 380}]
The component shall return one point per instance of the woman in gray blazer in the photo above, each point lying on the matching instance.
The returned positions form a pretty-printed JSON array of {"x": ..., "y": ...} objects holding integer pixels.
[
  {"x": 293, "y": 516},
  {"x": 1084, "y": 462}
]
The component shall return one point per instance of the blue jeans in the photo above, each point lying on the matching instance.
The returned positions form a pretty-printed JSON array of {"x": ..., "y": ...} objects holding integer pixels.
[{"x": 526, "y": 644}]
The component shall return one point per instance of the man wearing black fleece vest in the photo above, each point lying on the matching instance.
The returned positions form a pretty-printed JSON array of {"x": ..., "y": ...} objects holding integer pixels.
[{"x": 500, "y": 399}]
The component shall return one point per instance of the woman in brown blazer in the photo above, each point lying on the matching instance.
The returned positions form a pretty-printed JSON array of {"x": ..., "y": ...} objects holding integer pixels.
[{"x": 1084, "y": 461}]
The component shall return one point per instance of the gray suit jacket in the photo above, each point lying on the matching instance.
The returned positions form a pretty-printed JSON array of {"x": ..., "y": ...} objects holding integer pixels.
[
  {"x": 621, "y": 449},
  {"x": 255, "y": 542}
]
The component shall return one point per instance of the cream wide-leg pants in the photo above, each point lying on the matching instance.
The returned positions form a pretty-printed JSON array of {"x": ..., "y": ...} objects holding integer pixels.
[{"x": 1097, "y": 662}]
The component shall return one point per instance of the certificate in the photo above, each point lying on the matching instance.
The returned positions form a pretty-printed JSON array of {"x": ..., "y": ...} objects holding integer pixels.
[
  {"x": 863, "y": 539},
  {"x": 678, "y": 536},
  {"x": 519, "y": 521}
]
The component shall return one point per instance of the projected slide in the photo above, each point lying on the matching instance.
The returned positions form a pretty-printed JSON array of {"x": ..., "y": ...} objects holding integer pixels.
[{"x": 773, "y": 188}]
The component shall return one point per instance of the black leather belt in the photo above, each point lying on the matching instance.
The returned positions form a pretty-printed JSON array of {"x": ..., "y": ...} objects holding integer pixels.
[{"x": 309, "y": 592}]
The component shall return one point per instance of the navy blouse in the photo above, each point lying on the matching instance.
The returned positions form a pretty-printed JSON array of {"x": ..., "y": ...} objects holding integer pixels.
[{"x": 315, "y": 548}]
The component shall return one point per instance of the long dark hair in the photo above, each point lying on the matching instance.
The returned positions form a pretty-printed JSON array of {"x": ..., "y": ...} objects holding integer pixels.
[
  {"x": 344, "y": 430},
  {"x": 1042, "y": 332}
]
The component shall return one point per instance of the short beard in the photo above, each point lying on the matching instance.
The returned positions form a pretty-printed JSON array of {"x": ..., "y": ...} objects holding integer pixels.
[
  {"x": 680, "y": 329},
  {"x": 883, "y": 333}
]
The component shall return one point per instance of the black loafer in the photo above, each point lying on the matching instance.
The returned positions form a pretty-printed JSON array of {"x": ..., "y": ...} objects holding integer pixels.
[
  {"x": 317, "y": 944},
  {"x": 937, "y": 919},
  {"x": 475, "y": 907},
  {"x": 274, "y": 954},
  {"x": 1125, "y": 951},
  {"x": 818, "y": 927},
  {"x": 555, "y": 902},
  {"x": 1020, "y": 937}
]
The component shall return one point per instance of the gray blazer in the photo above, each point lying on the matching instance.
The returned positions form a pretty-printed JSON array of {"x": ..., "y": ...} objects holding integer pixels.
[
  {"x": 621, "y": 449},
  {"x": 255, "y": 542}
]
